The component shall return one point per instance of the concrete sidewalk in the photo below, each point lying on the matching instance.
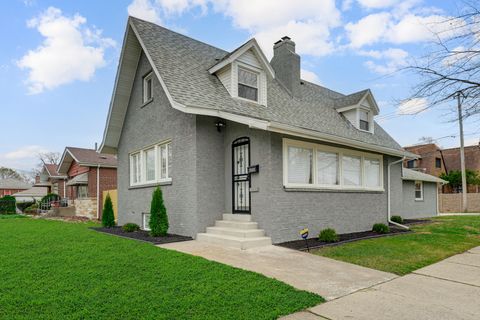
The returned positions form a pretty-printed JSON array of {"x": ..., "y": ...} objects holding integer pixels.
[
  {"x": 449, "y": 289},
  {"x": 327, "y": 277}
]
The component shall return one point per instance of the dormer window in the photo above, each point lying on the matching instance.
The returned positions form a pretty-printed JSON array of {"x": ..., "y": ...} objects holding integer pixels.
[
  {"x": 364, "y": 120},
  {"x": 247, "y": 84}
]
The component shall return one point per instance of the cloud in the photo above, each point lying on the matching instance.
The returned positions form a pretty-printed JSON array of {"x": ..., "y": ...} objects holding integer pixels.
[
  {"x": 24, "y": 158},
  {"x": 310, "y": 76},
  {"x": 144, "y": 9},
  {"x": 377, "y": 4},
  {"x": 309, "y": 24},
  {"x": 68, "y": 53},
  {"x": 392, "y": 60},
  {"x": 398, "y": 28},
  {"x": 368, "y": 30},
  {"x": 412, "y": 106}
]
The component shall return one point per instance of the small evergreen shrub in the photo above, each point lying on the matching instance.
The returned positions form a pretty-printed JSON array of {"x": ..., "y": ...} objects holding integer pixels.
[
  {"x": 397, "y": 219},
  {"x": 158, "y": 215},
  {"x": 130, "y": 227},
  {"x": 8, "y": 205},
  {"x": 31, "y": 209},
  {"x": 108, "y": 218},
  {"x": 380, "y": 228},
  {"x": 328, "y": 235}
]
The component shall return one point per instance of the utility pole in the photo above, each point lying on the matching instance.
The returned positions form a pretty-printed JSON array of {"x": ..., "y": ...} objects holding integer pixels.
[{"x": 462, "y": 153}]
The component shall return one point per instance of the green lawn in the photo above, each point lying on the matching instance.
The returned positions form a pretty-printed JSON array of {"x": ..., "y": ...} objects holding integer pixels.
[
  {"x": 444, "y": 237},
  {"x": 58, "y": 270}
]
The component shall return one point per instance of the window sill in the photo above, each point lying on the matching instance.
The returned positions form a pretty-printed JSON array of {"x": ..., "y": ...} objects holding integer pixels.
[
  {"x": 153, "y": 184},
  {"x": 331, "y": 189},
  {"x": 248, "y": 100},
  {"x": 418, "y": 200},
  {"x": 366, "y": 131},
  {"x": 146, "y": 102}
]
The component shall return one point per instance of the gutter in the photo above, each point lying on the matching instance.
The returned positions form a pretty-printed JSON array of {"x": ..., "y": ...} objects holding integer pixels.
[
  {"x": 389, "y": 201},
  {"x": 98, "y": 192}
]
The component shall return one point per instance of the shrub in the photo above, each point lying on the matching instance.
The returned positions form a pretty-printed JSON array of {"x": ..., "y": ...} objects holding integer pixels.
[
  {"x": 7, "y": 205},
  {"x": 45, "y": 202},
  {"x": 380, "y": 228},
  {"x": 397, "y": 219},
  {"x": 130, "y": 227},
  {"x": 22, "y": 206},
  {"x": 108, "y": 217},
  {"x": 328, "y": 235},
  {"x": 31, "y": 209},
  {"x": 158, "y": 215}
]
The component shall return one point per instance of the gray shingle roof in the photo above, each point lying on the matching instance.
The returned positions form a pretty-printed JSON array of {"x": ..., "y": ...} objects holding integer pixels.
[
  {"x": 409, "y": 174},
  {"x": 14, "y": 184},
  {"x": 183, "y": 63},
  {"x": 351, "y": 99}
]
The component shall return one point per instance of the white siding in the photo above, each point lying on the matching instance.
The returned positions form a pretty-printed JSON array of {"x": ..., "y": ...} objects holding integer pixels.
[
  {"x": 224, "y": 76},
  {"x": 249, "y": 58},
  {"x": 351, "y": 116}
]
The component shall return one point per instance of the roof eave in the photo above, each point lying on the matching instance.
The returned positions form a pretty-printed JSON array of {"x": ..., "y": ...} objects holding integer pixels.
[{"x": 252, "y": 43}]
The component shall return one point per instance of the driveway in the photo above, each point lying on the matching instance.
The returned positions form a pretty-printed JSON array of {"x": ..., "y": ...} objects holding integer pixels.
[
  {"x": 449, "y": 289},
  {"x": 327, "y": 277}
]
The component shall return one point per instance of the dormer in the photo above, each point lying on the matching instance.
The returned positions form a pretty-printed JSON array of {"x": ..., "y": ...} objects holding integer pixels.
[
  {"x": 359, "y": 108},
  {"x": 244, "y": 72}
]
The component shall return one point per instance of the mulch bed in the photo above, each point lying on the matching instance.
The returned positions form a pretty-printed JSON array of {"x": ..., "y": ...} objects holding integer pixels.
[
  {"x": 314, "y": 243},
  {"x": 142, "y": 235}
]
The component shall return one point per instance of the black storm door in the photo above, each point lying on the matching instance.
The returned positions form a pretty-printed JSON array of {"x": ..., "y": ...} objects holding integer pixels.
[{"x": 240, "y": 176}]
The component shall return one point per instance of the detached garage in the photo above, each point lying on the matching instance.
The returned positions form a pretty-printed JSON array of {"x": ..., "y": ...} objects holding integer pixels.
[{"x": 419, "y": 195}]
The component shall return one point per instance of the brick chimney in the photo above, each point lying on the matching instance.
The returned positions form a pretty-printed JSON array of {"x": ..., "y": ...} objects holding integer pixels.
[{"x": 286, "y": 64}]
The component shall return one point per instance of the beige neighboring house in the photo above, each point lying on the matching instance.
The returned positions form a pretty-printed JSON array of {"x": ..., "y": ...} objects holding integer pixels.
[{"x": 35, "y": 193}]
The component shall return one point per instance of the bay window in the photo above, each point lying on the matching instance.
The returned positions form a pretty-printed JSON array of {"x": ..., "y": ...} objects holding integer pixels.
[
  {"x": 151, "y": 165},
  {"x": 309, "y": 165}
]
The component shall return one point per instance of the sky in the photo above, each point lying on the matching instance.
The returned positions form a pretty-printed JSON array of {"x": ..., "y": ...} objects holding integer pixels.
[{"x": 58, "y": 60}]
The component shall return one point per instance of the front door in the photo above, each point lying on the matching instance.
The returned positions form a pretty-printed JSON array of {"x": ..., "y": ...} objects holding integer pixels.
[{"x": 240, "y": 176}]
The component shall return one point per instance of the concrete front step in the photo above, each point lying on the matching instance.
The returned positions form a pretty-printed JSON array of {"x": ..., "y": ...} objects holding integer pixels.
[
  {"x": 236, "y": 224},
  {"x": 241, "y": 233},
  {"x": 237, "y": 217},
  {"x": 235, "y": 242}
]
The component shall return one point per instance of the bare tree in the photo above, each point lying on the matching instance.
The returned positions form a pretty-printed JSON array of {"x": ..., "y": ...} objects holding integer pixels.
[
  {"x": 46, "y": 158},
  {"x": 452, "y": 63}
]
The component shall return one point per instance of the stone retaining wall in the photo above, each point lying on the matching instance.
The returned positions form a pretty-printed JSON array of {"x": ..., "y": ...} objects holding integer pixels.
[{"x": 86, "y": 207}]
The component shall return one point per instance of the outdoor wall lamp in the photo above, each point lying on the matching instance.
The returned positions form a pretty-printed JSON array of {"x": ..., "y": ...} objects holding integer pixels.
[{"x": 220, "y": 124}]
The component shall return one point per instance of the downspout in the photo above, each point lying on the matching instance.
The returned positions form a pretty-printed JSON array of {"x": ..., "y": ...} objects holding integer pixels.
[
  {"x": 389, "y": 200},
  {"x": 98, "y": 192}
]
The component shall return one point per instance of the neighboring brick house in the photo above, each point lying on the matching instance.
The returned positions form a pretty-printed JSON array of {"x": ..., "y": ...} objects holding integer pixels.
[
  {"x": 430, "y": 162},
  {"x": 435, "y": 161},
  {"x": 83, "y": 167},
  {"x": 10, "y": 186},
  {"x": 49, "y": 177}
]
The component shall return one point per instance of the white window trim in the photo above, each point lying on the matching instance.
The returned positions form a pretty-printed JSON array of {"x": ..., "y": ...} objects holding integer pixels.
[
  {"x": 260, "y": 75},
  {"x": 341, "y": 152},
  {"x": 143, "y": 168},
  {"x": 147, "y": 77},
  {"x": 370, "y": 119},
  {"x": 415, "y": 190}
]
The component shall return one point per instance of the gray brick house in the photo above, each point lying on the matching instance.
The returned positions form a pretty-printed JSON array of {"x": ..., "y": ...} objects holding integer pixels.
[{"x": 239, "y": 143}]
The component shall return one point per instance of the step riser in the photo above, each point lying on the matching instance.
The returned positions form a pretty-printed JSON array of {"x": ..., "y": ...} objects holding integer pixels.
[
  {"x": 233, "y": 243},
  {"x": 237, "y": 217},
  {"x": 236, "y": 224},
  {"x": 241, "y": 233}
]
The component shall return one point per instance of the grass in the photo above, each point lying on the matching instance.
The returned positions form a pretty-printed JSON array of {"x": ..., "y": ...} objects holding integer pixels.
[
  {"x": 402, "y": 254},
  {"x": 58, "y": 270}
]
